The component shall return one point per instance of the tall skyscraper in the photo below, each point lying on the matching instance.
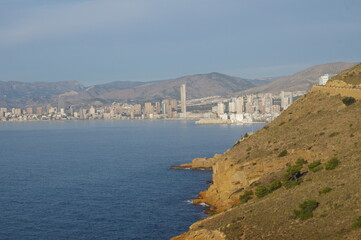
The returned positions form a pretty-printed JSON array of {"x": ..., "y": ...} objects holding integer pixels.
[{"x": 183, "y": 98}]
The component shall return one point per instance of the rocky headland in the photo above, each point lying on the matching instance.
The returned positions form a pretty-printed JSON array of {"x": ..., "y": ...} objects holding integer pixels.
[{"x": 297, "y": 178}]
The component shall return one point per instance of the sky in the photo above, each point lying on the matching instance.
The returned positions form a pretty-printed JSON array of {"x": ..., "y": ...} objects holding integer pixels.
[{"x": 99, "y": 41}]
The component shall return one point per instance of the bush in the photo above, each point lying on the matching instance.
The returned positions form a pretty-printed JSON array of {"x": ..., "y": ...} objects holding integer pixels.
[
  {"x": 274, "y": 185},
  {"x": 246, "y": 196},
  {"x": 306, "y": 209},
  {"x": 283, "y": 153},
  {"x": 292, "y": 172},
  {"x": 262, "y": 191},
  {"x": 315, "y": 166},
  {"x": 325, "y": 190},
  {"x": 348, "y": 100},
  {"x": 357, "y": 223},
  {"x": 332, "y": 164},
  {"x": 301, "y": 161}
]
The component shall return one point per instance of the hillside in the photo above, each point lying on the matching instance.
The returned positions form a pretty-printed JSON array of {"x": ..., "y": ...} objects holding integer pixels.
[
  {"x": 198, "y": 86},
  {"x": 351, "y": 76},
  {"x": 301, "y": 81},
  {"x": 21, "y": 94},
  {"x": 317, "y": 127}
]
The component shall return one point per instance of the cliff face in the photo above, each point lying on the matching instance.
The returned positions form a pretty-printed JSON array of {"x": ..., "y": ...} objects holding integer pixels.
[{"x": 317, "y": 127}]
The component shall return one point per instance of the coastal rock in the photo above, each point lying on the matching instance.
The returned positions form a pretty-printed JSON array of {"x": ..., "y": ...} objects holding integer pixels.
[
  {"x": 200, "y": 163},
  {"x": 203, "y": 234}
]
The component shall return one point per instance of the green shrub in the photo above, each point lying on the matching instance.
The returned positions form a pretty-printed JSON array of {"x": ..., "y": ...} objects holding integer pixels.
[
  {"x": 357, "y": 223},
  {"x": 332, "y": 164},
  {"x": 325, "y": 190},
  {"x": 262, "y": 191},
  {"x": 348, "y": 100},
  {"x": 274, "y": 185},
  {"x": 301, "y": 161},
  {"x": 292, "y": 172},
  {"x": 246, "y": 196},
  {"x": 315, "y": 166},
  {"x": 283, "y": 153},
  {"x": 306, "y": 209}
]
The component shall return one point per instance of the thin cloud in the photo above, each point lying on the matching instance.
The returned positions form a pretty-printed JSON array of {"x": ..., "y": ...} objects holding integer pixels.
[{"x": 54, "y": 20}]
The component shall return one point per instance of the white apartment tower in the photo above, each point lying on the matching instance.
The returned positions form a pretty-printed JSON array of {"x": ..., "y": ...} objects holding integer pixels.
[{"x": 183, "y": 98}]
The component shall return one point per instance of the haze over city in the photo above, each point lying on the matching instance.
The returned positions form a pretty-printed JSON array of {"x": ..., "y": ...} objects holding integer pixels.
[{"x": 105, "y": 40}]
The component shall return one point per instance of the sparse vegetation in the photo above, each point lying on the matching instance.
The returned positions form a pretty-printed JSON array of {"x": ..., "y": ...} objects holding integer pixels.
[
  {"x": 306, "y": 209},
  {"x": 348, "y": 100},
  {"x": 246, "y": 196},
  {"x": 262, "y": 191},
  {"x": 357, "y": 223},
  {"x": 315, "y": 166},
  {"x": 274, "y": 185},
  {"x": 283, "y": 153},
  {"x": 325, "y": 190},
  {"x": 332, "y": 164}
]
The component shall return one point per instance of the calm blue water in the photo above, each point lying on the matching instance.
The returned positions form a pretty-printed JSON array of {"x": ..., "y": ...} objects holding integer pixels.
[{"x": 104, "y": 180}]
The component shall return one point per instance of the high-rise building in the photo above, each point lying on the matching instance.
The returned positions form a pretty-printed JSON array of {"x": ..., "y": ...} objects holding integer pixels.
[
  {"x": 39, "y": 111},
  {"x": 220, "y": 109},
  {"x": 148, "y": 108},
  {"x": 183, "y": 98},
  {"x": 165, "y": 106},
  {"x": 239, "y": 105},
  {"x": 3, "y": 111},
  {"x": 157, "y": 107},
  {"x": 232, "y": 106},
  {"x": 29, "y": 110}
]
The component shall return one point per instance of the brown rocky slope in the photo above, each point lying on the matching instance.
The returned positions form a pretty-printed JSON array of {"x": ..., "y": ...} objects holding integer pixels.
[{"x": 317, "y": 127}]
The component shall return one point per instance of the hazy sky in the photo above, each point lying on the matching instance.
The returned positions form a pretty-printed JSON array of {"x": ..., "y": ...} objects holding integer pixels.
[{"x": 95, "y": 41}]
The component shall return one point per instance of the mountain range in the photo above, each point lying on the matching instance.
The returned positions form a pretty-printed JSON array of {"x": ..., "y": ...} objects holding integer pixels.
[{"x": 23, "y": 94}]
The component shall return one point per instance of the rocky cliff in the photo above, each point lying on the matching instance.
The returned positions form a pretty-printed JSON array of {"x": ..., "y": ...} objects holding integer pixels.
[{"x": 255, "y": 195}]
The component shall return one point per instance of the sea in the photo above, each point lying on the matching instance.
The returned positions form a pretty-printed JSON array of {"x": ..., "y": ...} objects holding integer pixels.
[{"x": 104, "y": 179}]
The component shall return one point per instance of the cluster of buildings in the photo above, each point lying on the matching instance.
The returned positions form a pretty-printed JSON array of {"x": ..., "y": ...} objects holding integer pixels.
[
  {"x": 244, "y": 109},
  {"x": 167, "y": 108},
  {"x": 263, "y": 107}
]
